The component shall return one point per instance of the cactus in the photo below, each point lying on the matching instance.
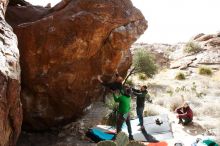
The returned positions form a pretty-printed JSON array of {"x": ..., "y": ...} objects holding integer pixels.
[
  {"x": 106, "y": 143},
  {"x": 122, "y": 139},
  {"x": 135, "y": 143}
]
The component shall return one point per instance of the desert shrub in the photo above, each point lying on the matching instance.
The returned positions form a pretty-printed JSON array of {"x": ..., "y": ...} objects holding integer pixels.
[
  {"x": 192, "y": 47},
  {"x": 174, "y": 103},
  {"x": 188, "y": 91},
  {"x": 110, "y": 103},
  {"x": 129, "y": 82},
  {"x": 142, "y": 76},
  {"x": 110, "y": 118},
  {"x": 144, "y": 62},
  {"x": 200, "y": 94},
  {"x": 170, "y": 92},
  {"x": 180, "y": 76},
  {"x": 181, "y": 89},
  {"x": 205, "y": 71}
]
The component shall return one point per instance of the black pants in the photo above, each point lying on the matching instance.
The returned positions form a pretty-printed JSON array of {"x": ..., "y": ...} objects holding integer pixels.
[
  {"x": 140, "y": 111},
  {"x": 184, "y": 121},
  {"x": 120, "y": 120}
]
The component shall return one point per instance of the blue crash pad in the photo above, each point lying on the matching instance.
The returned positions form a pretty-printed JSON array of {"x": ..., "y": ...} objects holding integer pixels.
[{"x": 101, "y": 134}]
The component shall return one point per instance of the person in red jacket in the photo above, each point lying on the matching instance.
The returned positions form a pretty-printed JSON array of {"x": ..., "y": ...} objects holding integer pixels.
[{"x": 184, "y": 113}]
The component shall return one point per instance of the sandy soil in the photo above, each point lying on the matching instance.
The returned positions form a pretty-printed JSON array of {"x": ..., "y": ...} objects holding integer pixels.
[{"x": 167, "y": 93}]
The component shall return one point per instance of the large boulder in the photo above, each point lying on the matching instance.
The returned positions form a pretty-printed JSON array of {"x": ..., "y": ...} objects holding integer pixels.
[
  {"x": 10, "y": 105},
  {"x": 64, "y": 50}
]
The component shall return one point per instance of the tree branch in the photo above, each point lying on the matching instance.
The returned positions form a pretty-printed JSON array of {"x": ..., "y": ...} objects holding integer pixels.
[{"x": 129, "y": 74}]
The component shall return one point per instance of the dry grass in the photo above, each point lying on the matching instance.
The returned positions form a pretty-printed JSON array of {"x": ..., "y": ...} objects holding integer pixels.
[
  {"x": 150, "y": 111},
  {"x": 208, "y": 109},
  {"x": 169, "y": 102},
  {"x": 216, "y": 76},
  {"x": 129, "y": 82},
  {"x": 142, "y": 76},
  {"x": 175, "y": 102},
  {"x": 205, "y": 71},
  {"x": 192, "y": 47},
  {"x": 159, "y": 101},
  {"x": 180, "y": 76}
]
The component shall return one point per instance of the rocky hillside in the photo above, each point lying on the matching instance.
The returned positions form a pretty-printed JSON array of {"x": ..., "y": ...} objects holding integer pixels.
[
  {"x": 177, "y": 55},
  {"x": 207, "y": 53}
]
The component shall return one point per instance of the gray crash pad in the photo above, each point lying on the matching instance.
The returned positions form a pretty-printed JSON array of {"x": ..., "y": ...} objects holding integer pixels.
[{"x": 159, "y": 132}]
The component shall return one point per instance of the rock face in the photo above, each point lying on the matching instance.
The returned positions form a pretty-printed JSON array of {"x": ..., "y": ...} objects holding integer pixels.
[
  {"x": 208, "y": 55},
  {"x": 65, "y": 49},
  {"x": 10, "y": 105}
]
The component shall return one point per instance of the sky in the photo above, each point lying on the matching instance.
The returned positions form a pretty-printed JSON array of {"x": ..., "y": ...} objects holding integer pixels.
[{"x": 173, "y": 21}]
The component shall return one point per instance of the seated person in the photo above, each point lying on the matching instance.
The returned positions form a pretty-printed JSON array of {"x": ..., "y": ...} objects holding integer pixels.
[{"x": 184, "y": 113}]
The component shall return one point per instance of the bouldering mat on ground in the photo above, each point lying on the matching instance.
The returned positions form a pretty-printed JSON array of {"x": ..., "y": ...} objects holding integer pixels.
[
  {"x": 98, "y": 135},
  {"x": 159, "y": 132}
]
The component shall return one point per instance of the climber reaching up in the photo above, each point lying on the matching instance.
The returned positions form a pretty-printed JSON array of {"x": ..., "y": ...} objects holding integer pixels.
[
  {"x": 141, "y": 94},
  {"x": 115, "y": 84}
]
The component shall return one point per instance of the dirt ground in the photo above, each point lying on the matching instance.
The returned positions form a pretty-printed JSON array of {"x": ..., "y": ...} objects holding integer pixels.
[
  {"x": 203, "y": 93},
  {"x": 167, "y": 93}
]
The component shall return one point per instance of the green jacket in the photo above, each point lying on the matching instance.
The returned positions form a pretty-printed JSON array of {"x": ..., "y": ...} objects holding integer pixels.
[{"x": 124, "y": 103}]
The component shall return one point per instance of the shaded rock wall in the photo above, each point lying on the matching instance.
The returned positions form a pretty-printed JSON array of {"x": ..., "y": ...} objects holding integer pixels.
[
  {"x": 63, "y": 52},
  {"x": 10, "y": 105}
]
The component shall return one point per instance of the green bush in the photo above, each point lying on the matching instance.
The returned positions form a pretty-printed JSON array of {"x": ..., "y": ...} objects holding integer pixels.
[
  {"x": 129, "y": 82},
  {"x": 180, "y": 76},
  {"x": 192, "y": 47},
  {"x": 142, "y": 76},
  {"x": 205, "y": 71},
  {"x": 144, "y": 62}
]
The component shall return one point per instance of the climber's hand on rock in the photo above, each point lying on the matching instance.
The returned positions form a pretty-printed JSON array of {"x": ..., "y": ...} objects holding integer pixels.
[{"x": 99, "y": 78}]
